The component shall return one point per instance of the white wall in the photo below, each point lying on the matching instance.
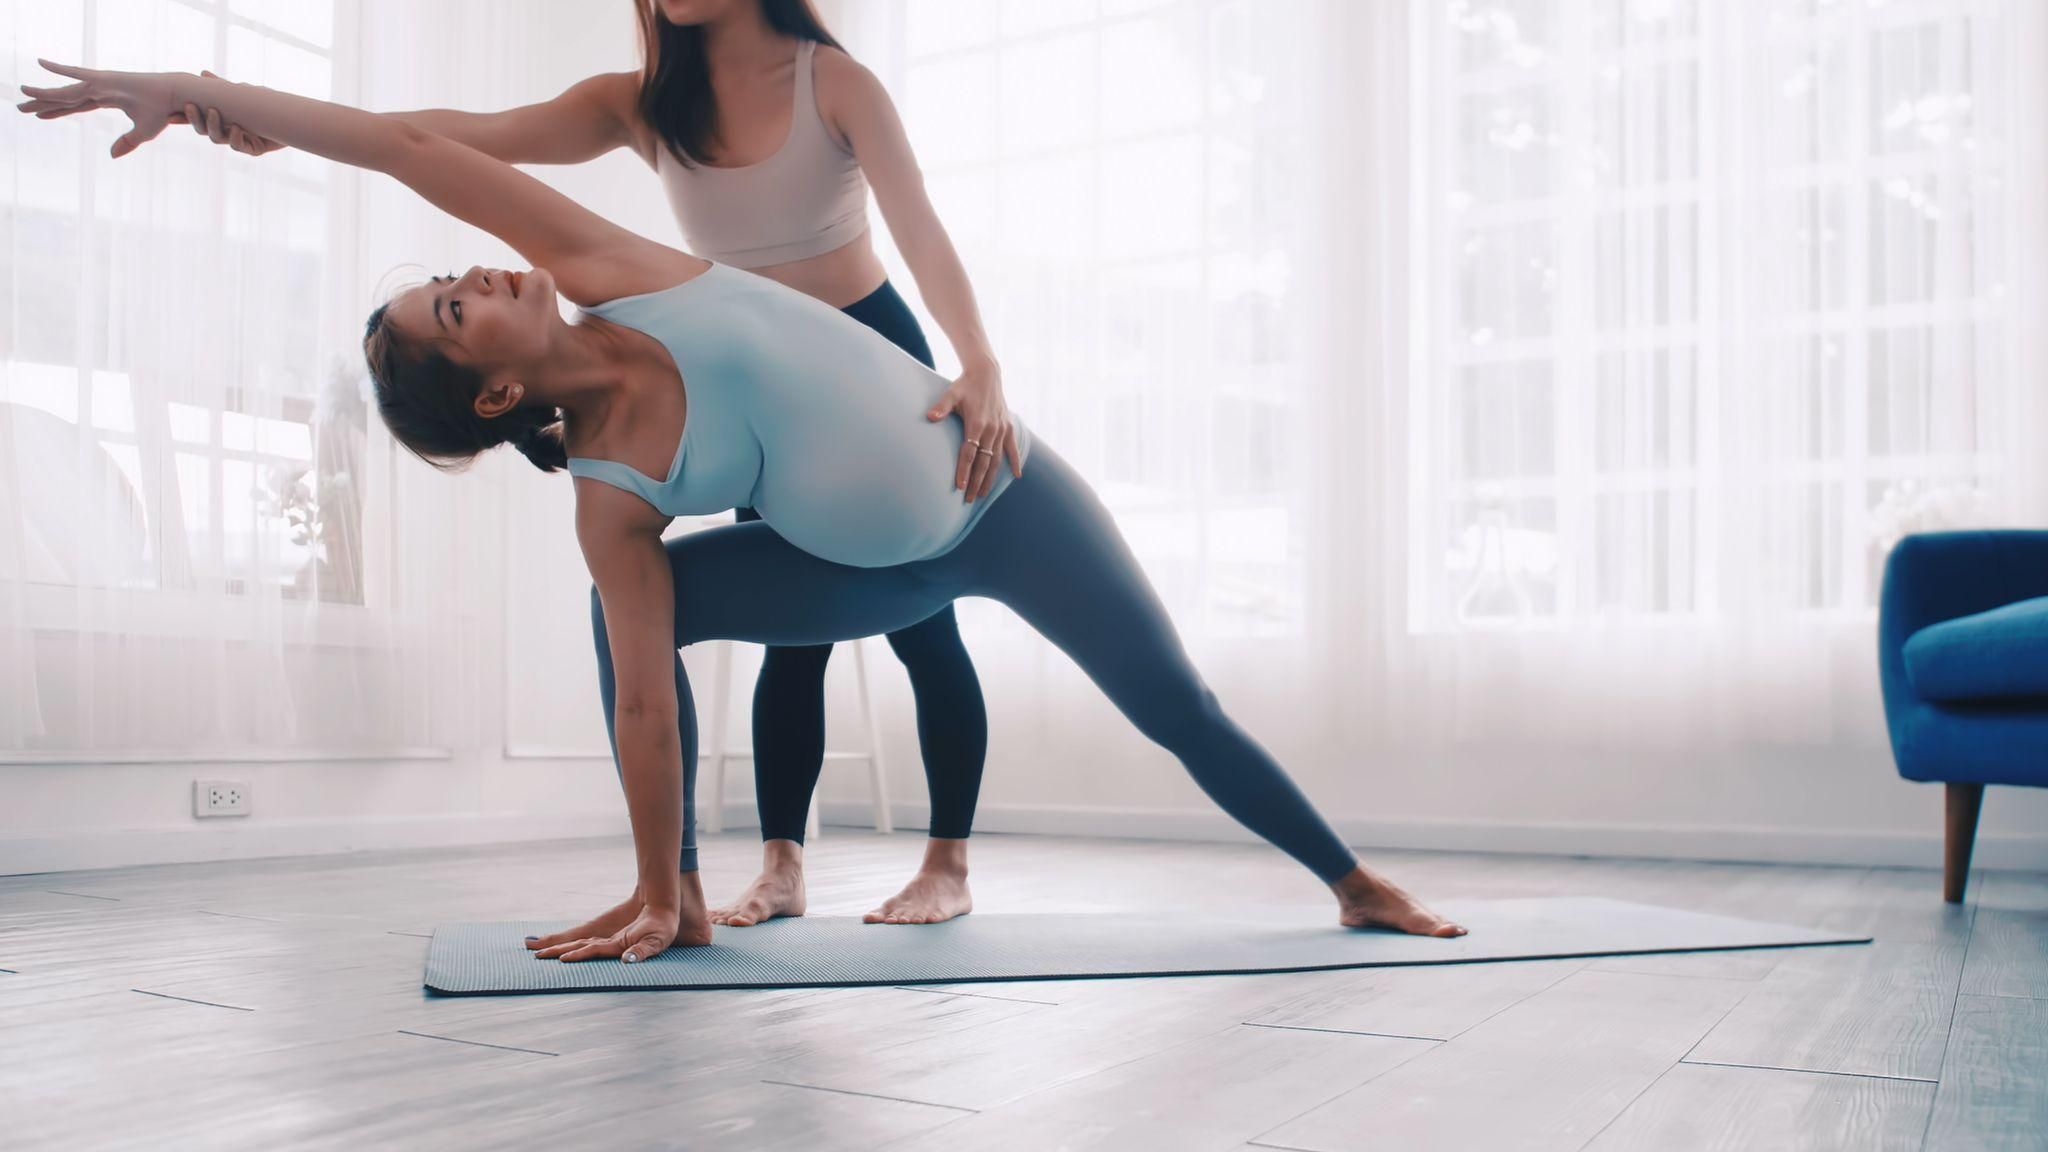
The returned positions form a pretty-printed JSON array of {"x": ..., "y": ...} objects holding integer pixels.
[{"x": 1069, "y": 764}]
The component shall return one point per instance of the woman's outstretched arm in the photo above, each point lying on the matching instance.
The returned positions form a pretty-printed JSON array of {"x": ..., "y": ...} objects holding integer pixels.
[
  {"x": 588, "y": 119},
  {"x": 592, "y": 259}
]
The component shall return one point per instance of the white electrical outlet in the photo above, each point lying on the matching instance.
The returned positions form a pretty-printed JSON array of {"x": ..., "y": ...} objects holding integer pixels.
[{"x": 220, "y": 798}]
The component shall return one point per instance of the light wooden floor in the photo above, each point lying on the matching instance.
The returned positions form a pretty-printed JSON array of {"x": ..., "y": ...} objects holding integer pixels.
[{"x": 277, "y": 1004}]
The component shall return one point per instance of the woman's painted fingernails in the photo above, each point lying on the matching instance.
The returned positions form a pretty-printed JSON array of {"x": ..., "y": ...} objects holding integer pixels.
[{"x": 533, "y": 937}]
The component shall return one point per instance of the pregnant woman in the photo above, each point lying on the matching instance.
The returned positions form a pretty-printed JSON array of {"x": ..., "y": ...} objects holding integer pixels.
[
  {"x": 685, "y": 386},
  {"x": 766, "y": 137}
]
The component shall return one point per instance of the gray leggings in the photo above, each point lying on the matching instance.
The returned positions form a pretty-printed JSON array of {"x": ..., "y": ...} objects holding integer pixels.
[{"x": 1048, "y": 550}]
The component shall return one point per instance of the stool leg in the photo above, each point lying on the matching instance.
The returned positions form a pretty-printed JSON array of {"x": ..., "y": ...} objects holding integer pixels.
[
  {"x": 721, "y": 703},
  {"x": 878, "y": 780},
  {"x": 1964, "y": 802}
]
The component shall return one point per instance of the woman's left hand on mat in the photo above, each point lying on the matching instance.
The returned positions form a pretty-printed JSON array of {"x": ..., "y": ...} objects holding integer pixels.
[
  {"x": 977, "y": 398},
  {"x": 648, "y": 936}
]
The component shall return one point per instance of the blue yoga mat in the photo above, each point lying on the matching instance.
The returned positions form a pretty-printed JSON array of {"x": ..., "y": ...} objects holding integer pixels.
[{"x": 823, "y": 951}]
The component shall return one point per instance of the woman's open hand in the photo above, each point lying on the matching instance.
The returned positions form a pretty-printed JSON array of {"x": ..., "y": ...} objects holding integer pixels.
[
  {"x": 977, "y": 398},
  {"x": 631, "y": 930},
  {"x": 144, "y": 96}
]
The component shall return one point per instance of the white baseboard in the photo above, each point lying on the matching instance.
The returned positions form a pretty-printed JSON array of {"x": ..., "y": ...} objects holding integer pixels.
[
  {"x": 126, "y": 848},
  {"x": 1661, "y": 842},
  {"x": 129, "y": 848}
]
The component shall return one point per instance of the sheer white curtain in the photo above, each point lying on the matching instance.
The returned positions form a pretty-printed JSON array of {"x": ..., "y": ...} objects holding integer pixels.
[
  {"x": 1708, "y": 303},
  {"x": 1508, "y": 381},
  {"x": 209, "y": 546}
]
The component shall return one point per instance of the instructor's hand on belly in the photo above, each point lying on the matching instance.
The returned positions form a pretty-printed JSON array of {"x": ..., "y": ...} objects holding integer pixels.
[
  {"x": 632, "y": 931},
  {"x": 977, "y": 398}
]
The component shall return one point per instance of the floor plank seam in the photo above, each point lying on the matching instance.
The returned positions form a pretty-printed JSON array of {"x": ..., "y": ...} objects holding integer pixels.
[
  {"x": 190, "y": 1000},
  {"x": 238, "y": 916},
  {"x": 1695, "y": 1046},
  {"x": 417, "y": 935},
  {"x": 1810, "y": 1071},
  {"x": 1254, "y": 1141},
  {"x": 1687, "y": 975},
  {"x": 1342, "y": 1031},
  {"x": 1954, "y": 1002},
  {"x": 475, "y": 1043},
  {"x": 869, "y": 1095},
  {"x": 1709, "y": 1031},
  {"x": 83, "y": 895},
  {"x": 1584, "y": 966},
  {"x": 976, "y": 995}
]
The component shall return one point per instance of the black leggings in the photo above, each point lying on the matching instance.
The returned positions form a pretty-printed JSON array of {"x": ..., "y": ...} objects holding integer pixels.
[
  {"x": 1050, "y": 551},
  {"x": 789, "y": 695}
]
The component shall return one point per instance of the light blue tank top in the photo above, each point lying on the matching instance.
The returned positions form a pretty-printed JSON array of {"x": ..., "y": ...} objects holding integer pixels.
[{"x": 804, "y": 414}]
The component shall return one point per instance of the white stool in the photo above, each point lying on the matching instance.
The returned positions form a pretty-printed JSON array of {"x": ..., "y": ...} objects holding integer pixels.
[{"x": 719, "y": 753}]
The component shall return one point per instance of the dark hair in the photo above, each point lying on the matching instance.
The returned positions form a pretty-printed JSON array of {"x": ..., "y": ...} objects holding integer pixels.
[
  {"x": 429, "y": 403},
  {"x": 676, "y": 99}
]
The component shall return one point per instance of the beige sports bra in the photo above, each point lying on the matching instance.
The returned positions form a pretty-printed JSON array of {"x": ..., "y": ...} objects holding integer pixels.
[{"x": 807, "y": 199}]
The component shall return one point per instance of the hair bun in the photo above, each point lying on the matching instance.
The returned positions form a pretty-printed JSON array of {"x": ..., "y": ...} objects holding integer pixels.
[{"x": 539, "y": 439}]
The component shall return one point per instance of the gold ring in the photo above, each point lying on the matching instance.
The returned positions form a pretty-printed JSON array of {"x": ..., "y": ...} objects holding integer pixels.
[{"x": 986, "y": 452}]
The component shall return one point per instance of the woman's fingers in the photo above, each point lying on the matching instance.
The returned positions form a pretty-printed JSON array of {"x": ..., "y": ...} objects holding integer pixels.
[
  {"x": 1010, "y": 449},
  {"x": 557, "y": 951},
  {"x": 964, "y": 464},
  {"x": 996, "y": 448},
  {"x": 650, "y": 944},
  {"x": 71, "y": 70},
  {"x": 50, "y": 109},
  {"x": 134, "y": 138},
  {"x": 68, "y": 94},
  {"x": 988, "y": 432},
  {"x": 608, "y": 948},
  {"x": 215, "y": 130},
  {"x": 603, "y": 925}
]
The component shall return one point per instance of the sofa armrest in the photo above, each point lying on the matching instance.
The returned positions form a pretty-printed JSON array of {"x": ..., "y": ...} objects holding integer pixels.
[{"x": 1934, "y": 576}]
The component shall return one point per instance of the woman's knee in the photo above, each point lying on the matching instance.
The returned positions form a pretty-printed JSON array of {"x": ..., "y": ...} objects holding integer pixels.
[{"x": 1179, "y": 713}]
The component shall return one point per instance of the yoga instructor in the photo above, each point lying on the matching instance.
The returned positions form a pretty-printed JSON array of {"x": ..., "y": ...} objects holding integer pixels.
[{"x": 766, "y": 136}]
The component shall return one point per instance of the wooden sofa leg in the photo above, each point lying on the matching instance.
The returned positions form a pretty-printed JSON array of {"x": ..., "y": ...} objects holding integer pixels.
[{"x": 1964, "y": 802}]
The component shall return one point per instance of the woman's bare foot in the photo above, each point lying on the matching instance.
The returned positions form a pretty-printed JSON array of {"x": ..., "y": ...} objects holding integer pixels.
[
  {"x": 777, "y": 891},
  {"x": 936, "y": 894},
  {"x": 693, "y": 929},
  {"x": 1366, "y": 899}
]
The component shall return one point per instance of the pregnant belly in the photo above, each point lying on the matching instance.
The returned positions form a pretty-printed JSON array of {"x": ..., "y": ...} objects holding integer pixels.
[{"x": 861, "y": 517}]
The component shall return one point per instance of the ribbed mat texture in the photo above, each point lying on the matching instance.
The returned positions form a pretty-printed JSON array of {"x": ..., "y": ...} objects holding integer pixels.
[{"x": 491, "y": 959}]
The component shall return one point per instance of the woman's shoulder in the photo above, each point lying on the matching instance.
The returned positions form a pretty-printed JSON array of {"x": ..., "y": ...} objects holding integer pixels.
[
  {"x": 619, "y": 92},
  {"x": 845, "y": 88}
]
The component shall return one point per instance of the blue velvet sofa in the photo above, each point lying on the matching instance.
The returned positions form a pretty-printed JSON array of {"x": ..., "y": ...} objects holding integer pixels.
[{"x": 1962, "y": 648}]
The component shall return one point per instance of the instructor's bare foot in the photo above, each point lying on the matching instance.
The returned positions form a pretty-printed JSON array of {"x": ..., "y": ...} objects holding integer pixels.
[
  {"x": 936, "y": 894},
  {"x": 1365, "y": 899},
  {"x": 777, "y": 891}
]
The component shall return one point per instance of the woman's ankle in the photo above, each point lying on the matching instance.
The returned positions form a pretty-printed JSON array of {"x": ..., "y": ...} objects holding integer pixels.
[
  {"x": 946, "y": 855},
  {"x": 780, "y": 855}
]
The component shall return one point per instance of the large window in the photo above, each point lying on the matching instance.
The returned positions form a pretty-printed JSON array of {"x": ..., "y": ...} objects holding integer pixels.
[
  {"x": 1714, "y": 297},
  {"x": 1134, "y": 185},
  {"x": 183, "y": 418}
]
